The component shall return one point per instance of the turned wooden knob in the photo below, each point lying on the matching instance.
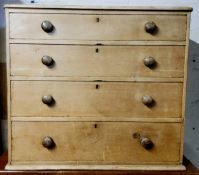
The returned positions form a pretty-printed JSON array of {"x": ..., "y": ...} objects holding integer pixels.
[
  {"x": 48, "y": 142},
  {"x": 47, "y": 60},
  {"x": 47, "y": 26},
  {"x": 150, "y": 27},
  {"x": 144, "y": 141},
  {"x": 149, "y": 61},
  {"x": 147, "y": 100},
  {"x": 47, "y": 99}
]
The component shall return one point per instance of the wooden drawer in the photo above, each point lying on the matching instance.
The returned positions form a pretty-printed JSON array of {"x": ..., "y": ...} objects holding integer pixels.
[
  {"x": 97, "y": 27},
  {"x": 97, "y": 61},
  {"x": 95, "y": 99},
  {"x": 95, "y": 143}
]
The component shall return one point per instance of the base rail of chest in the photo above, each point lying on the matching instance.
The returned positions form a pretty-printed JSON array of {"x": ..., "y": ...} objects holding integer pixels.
[{"x": 97, "y": 167}]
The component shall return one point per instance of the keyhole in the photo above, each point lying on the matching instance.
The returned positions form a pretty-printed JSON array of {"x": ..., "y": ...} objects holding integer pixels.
[
  {"x": 97, "y": 19},
  {"x": 96, "y": 50},
  {"x": 95, "y": 125},
  {"x": 97, "y": 86}
]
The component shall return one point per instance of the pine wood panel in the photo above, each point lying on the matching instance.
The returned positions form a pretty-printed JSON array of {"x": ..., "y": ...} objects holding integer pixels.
[
  {"x": 7, "y": 15},
  {"x": 94, "y": 143},
  {"x": 101, "y": 119},
  {"x": 95, "y": 79},
  {"x": 114, "y": 107},
  {"x": 60, "y": 8},
  {"x": 110, "y": 99},
  {"x": 98, "y": 42},
  {"x": 185, "y": 80},
  {"x": 86, "y": 169},
  {"x": 19, "y": 170},
  {"x": 96, "y": 61},
  {"x": 109, "y": 27}
]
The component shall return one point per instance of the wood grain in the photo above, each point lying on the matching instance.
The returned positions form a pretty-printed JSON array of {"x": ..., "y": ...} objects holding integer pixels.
[
  {"x": 94, "y": 143},
  {"x": 98, "y": 42},
  {"x": 98, "y": 79},
  {"x": 97, "y": 95},
  {"x": 185, "y": 79},
  {"x": 104, "y": 119},
  {"x": 118, "y": 8},
  {"x": 190, "y": 170},
  {"x": 110, "y": 99},
  {"x": 96, "y": 61},
  {"x": 110, "y": 27},
  {"x": 110, "y": 169},
  {"x": 7, "y": 14}
]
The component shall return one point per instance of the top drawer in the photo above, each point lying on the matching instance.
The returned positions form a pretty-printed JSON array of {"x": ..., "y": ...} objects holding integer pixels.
[{"x": 98, "y": 27}]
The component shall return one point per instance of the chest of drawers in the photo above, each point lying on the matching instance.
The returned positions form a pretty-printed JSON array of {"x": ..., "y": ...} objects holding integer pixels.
[{"x": 96, "y": 87}]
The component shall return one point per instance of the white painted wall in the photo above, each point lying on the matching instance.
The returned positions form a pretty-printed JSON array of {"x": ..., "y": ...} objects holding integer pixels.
[{"x": 192, "y": 106}]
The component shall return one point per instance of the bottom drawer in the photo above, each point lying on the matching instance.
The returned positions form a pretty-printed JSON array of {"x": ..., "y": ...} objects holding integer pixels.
[{"x": 95, "y": 143}]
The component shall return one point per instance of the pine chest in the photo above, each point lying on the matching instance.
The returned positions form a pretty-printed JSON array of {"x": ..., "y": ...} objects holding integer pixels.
[{"x": 96, "y": 87}]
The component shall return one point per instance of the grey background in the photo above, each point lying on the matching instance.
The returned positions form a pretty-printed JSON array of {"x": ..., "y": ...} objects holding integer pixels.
[{"x": 191, "y": 145}]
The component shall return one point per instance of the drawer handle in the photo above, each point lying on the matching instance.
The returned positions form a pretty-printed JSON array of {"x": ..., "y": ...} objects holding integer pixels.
[
  {"x": 47, "y": 60},
  {"x": 144, "y": 141},
  {"x": 48, "y": 142},
  {"x": 149, "y": 62},
  {"x": 47, "y": 26},
  {"x": 48, "y": 99},
  {"x": 150, "y": 27},
  {"x": 147, "y": 100}
]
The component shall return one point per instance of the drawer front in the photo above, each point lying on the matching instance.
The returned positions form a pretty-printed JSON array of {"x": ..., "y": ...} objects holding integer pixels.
[
  {"x": 97, "y": 27},
  {"x": 97, "y": 61},
  {"x": 95, "y": 142},
  {"x": 95, "y": 99}
]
